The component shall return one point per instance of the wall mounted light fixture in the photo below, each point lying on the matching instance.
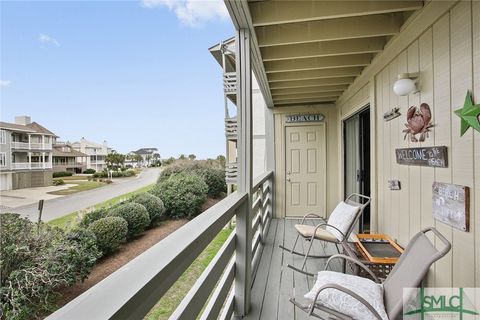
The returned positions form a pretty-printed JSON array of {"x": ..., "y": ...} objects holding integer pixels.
[{"x": 405, "y": 84}]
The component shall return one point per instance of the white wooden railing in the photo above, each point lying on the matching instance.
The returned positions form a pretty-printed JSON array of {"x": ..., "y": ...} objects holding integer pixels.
[
  {"x": 31, "y": 145},
  {"x": 131, "y": 291},
  {"x": 30, "y": 165},
  {"x": 20, "y": 165},
  {"x": 231, "y": 172},
  {"x": 231, "y": 128},
  {"x": 230, "y": 82}
]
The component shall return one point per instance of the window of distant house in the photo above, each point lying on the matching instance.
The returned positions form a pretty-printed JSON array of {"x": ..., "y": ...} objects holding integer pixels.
[
  {"x": 3, "y": 137},
  {"x": 3, "y": 159}
]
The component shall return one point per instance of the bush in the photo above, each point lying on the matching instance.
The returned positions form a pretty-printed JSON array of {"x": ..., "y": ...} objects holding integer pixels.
[
  {"x": 183, "y": 194},
  {"x": 36, "y": 260},
  {"x": 89, "y": 171},
  {"x": 153, "y": 204},
  {"x": 92, "y": 216},
  {"x": 101, "y": 174},
  {"x": 215, "y": 179},
  {"x": 111, "y": 232},
  {"x": 62, "y": 174},
  {"x": 135, "y": 214},
  {"x": 58, "y": 182}
]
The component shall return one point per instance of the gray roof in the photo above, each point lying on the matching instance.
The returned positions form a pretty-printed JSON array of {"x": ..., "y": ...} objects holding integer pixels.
[
  {"x": 146, "y": 151},
  {"x": 15, "y": 127}
]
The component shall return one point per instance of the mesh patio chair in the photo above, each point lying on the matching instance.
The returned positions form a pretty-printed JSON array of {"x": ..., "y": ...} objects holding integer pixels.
[
  {"x": 348, "y": 296},
  {"x": 336, "y": 230}
]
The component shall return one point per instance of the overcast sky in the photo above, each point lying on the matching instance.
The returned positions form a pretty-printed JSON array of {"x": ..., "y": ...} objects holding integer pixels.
[{"x": 134, "y": 73}]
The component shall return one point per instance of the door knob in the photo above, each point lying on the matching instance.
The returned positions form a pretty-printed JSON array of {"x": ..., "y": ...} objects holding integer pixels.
[{"x": 288, "y": 179}]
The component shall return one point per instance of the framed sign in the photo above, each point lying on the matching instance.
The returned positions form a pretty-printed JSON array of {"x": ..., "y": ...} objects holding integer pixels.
[
  {"x": 394, "y": 184},
  {"x": 451, "y": 204},
  {"x": 426, "y": 156},
  {"x": 298, "y": 118}
]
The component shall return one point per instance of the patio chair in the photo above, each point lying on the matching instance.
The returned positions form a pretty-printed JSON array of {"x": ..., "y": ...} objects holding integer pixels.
[
  {"x": 347, "y": 296},
  {"x": 336, "y": 230}
]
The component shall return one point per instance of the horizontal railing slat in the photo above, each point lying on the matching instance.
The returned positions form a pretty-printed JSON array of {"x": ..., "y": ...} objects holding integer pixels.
[
  {"x": 131, "y": 291},
  {"x": 261, "y": 180},
  {"x": 228, "y": 308},
  {"x": 195, "y": 299},
  {"x": 214, "y": 306}
]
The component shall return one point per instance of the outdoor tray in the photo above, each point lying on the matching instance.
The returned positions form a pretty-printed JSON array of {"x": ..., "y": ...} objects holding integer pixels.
[{"x": 378, "y": 248}]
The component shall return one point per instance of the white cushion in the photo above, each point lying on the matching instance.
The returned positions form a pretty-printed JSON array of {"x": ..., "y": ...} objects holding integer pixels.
[
  {"x": 342, "y": 218},
  {"x": 344, "y": 303}
]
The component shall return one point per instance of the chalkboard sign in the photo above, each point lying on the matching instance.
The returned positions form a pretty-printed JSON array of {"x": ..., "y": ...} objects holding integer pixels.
[
  {"x": 427, "y": 156},
  {"x": 451, "y": 204}
]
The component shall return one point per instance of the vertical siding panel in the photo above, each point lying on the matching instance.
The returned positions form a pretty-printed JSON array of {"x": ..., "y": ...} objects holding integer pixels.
[
  {"x": 427, "y": 174},
  {"x": 380, "y": 152},
  {"x": 386, "y": 150},
  {"x": 442, "y": 129},
  {"x": 415, "y": 181},
  {"x": 393, "y": 197},
  {"x": 404, "y": 177},
  {"x": 462, "y": 147},
  {"x": 476, "y": 91}
]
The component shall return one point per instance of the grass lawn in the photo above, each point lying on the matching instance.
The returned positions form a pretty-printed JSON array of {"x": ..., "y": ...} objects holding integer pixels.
[
  {"x": 169, "y": 302},
  {"x": 80, "y": 186},
  {"x": 75, "y": 177},
  {"x": 68, "y": 219}
]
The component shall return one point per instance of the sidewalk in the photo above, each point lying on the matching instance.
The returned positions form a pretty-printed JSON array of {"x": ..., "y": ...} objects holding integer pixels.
[{"x": 22, "y": 197}]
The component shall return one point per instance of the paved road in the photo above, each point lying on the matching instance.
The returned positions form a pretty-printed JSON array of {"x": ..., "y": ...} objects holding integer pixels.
[{"x": 59, "y": 207}]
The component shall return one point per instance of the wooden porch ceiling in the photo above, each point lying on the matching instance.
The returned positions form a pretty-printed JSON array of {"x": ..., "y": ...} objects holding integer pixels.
[{"x": 312, "y": 50}]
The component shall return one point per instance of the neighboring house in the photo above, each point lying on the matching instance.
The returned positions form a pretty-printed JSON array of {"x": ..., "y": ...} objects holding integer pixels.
[
  {"x": 66, "y": 158},
  {"x": 147, "y": 154},
  {"x": 96, "y": 153},
  {"x": 25, "y": 154}
]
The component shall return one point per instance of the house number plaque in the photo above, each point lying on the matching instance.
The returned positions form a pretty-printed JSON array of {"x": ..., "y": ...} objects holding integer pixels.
[{"x": 296, "y": 118}]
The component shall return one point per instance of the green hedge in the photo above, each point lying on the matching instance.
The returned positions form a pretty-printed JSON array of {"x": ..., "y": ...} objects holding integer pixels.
[
  {"x": 89, "y": 171},
  {"x": 183, "y": 194},
  {"x": 111, "y": 232},
  {"x": 215, "y": 179},
  {"x": 153, "y": 204},
  {"x": 136, "y": 216},
  {"x": 62, "y": 174},
  {"x": 92, "y": 216}
]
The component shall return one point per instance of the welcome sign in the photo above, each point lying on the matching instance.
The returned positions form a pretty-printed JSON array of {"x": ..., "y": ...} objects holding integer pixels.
[
  {"x": 296, "y": 118},
  {"x": 427, "y": 156}
]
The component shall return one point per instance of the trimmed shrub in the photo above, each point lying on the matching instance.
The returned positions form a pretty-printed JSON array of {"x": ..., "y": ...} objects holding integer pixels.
[
  {"x": 58, "y": 182},
  {"x": 136, "y": 216},
  {"x": 92, "y": 216},
  {"x": 110, "y": 232},
  {"x": 153, "y": 204},
  {"x": 101, "y": 174},
  {"x": 215, "y": 179},
  {"x": 36, "y": 260},
  {"x": 183, "y": 194},
  {"x": 62, "y": 174},
  {"x": 89, "y": 171}
]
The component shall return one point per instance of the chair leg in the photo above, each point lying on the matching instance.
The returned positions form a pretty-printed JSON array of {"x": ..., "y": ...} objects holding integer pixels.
[{"x": 308, "y": 251}]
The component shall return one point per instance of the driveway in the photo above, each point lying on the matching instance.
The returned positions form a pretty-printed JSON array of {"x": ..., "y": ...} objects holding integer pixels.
[{"x": 58, "y": 207}]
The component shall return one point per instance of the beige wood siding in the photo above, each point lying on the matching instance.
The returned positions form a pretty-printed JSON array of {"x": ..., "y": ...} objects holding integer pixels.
[{"x": 447, "y": 55}]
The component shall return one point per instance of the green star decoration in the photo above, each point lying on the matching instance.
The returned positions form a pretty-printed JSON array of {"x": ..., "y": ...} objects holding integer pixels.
[{"x": 469, "y": 115}]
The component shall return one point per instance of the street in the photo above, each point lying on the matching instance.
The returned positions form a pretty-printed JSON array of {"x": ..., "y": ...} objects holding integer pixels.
[{"x": 55, "y": 208}]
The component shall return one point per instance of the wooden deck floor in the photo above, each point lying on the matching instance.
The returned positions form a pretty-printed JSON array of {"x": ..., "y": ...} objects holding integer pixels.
[{"x": 275, "y": 283}]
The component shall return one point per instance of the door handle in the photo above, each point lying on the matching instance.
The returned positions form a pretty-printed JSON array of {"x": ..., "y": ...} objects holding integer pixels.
[{"x": 288, "y": 179}]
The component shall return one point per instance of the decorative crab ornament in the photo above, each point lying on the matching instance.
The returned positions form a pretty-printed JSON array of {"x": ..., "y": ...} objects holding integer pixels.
[{"x": 418, "y": 122}]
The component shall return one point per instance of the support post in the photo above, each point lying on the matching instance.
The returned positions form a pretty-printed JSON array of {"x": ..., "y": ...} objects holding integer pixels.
[
  {"x": 43, "y": 160},
  {"x": 243, "y": 264},
  {"x": 29, "y": 142},
  {"x": 270, "y": 155},
  {"x": 29, "y": 158}
]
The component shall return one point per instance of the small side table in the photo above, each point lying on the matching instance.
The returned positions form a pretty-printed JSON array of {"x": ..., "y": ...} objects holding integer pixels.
[{"x": 381, "y": 270}]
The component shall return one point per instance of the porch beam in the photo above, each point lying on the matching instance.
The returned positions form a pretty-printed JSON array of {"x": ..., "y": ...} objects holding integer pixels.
[
  {"x": 312, "y": 95},
  {"x": 243, "y": 257},
  {"x": 323, "y": 49},
  {"x": 276, "y": 92},
  {"x": 353, "y": 60},
  {"x": 327, "y": 30},
  {"x": 278, "y": 12},
  {"x": 281, "y": 103},
  {"x": 311, "y": 83},
  {"x": 314, "y": 74}
]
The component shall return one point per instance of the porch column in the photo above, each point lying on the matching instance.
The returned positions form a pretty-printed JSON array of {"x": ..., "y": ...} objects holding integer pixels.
[
  {"x": 43, "y": 144},
  {"x": 29, "y": 142},
  {"x": 243, "y": 266},
  {"x": 43, "y": 159},
  {"x": 29, "y": 156}
]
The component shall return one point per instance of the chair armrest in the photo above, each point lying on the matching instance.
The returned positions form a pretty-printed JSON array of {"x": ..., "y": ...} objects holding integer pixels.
[
  {"x": 310, "y": 215},
  {"x": 329, "y": 225},
  {"x": 301, "y": 271},
  {"x": 360, "y": 264},
  {"x": 346, "y": 291}
]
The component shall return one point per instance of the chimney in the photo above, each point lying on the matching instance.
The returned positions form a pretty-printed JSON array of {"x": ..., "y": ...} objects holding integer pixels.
[{"x": 23, "y": 120}]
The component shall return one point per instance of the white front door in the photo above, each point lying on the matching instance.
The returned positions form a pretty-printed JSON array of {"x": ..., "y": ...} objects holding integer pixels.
[{"x": 305, "y": 170}]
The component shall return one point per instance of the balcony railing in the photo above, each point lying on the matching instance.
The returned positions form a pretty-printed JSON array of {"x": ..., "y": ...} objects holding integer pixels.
[
  {"x": 30, "y": 165},
  {"x": 230, "y": 82},
  {"x": 31, "y": 145},
  {"x": 231, "y": 170},
  {"x": 231, "y": 128},
  {"x": 131, "y": 291}
]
